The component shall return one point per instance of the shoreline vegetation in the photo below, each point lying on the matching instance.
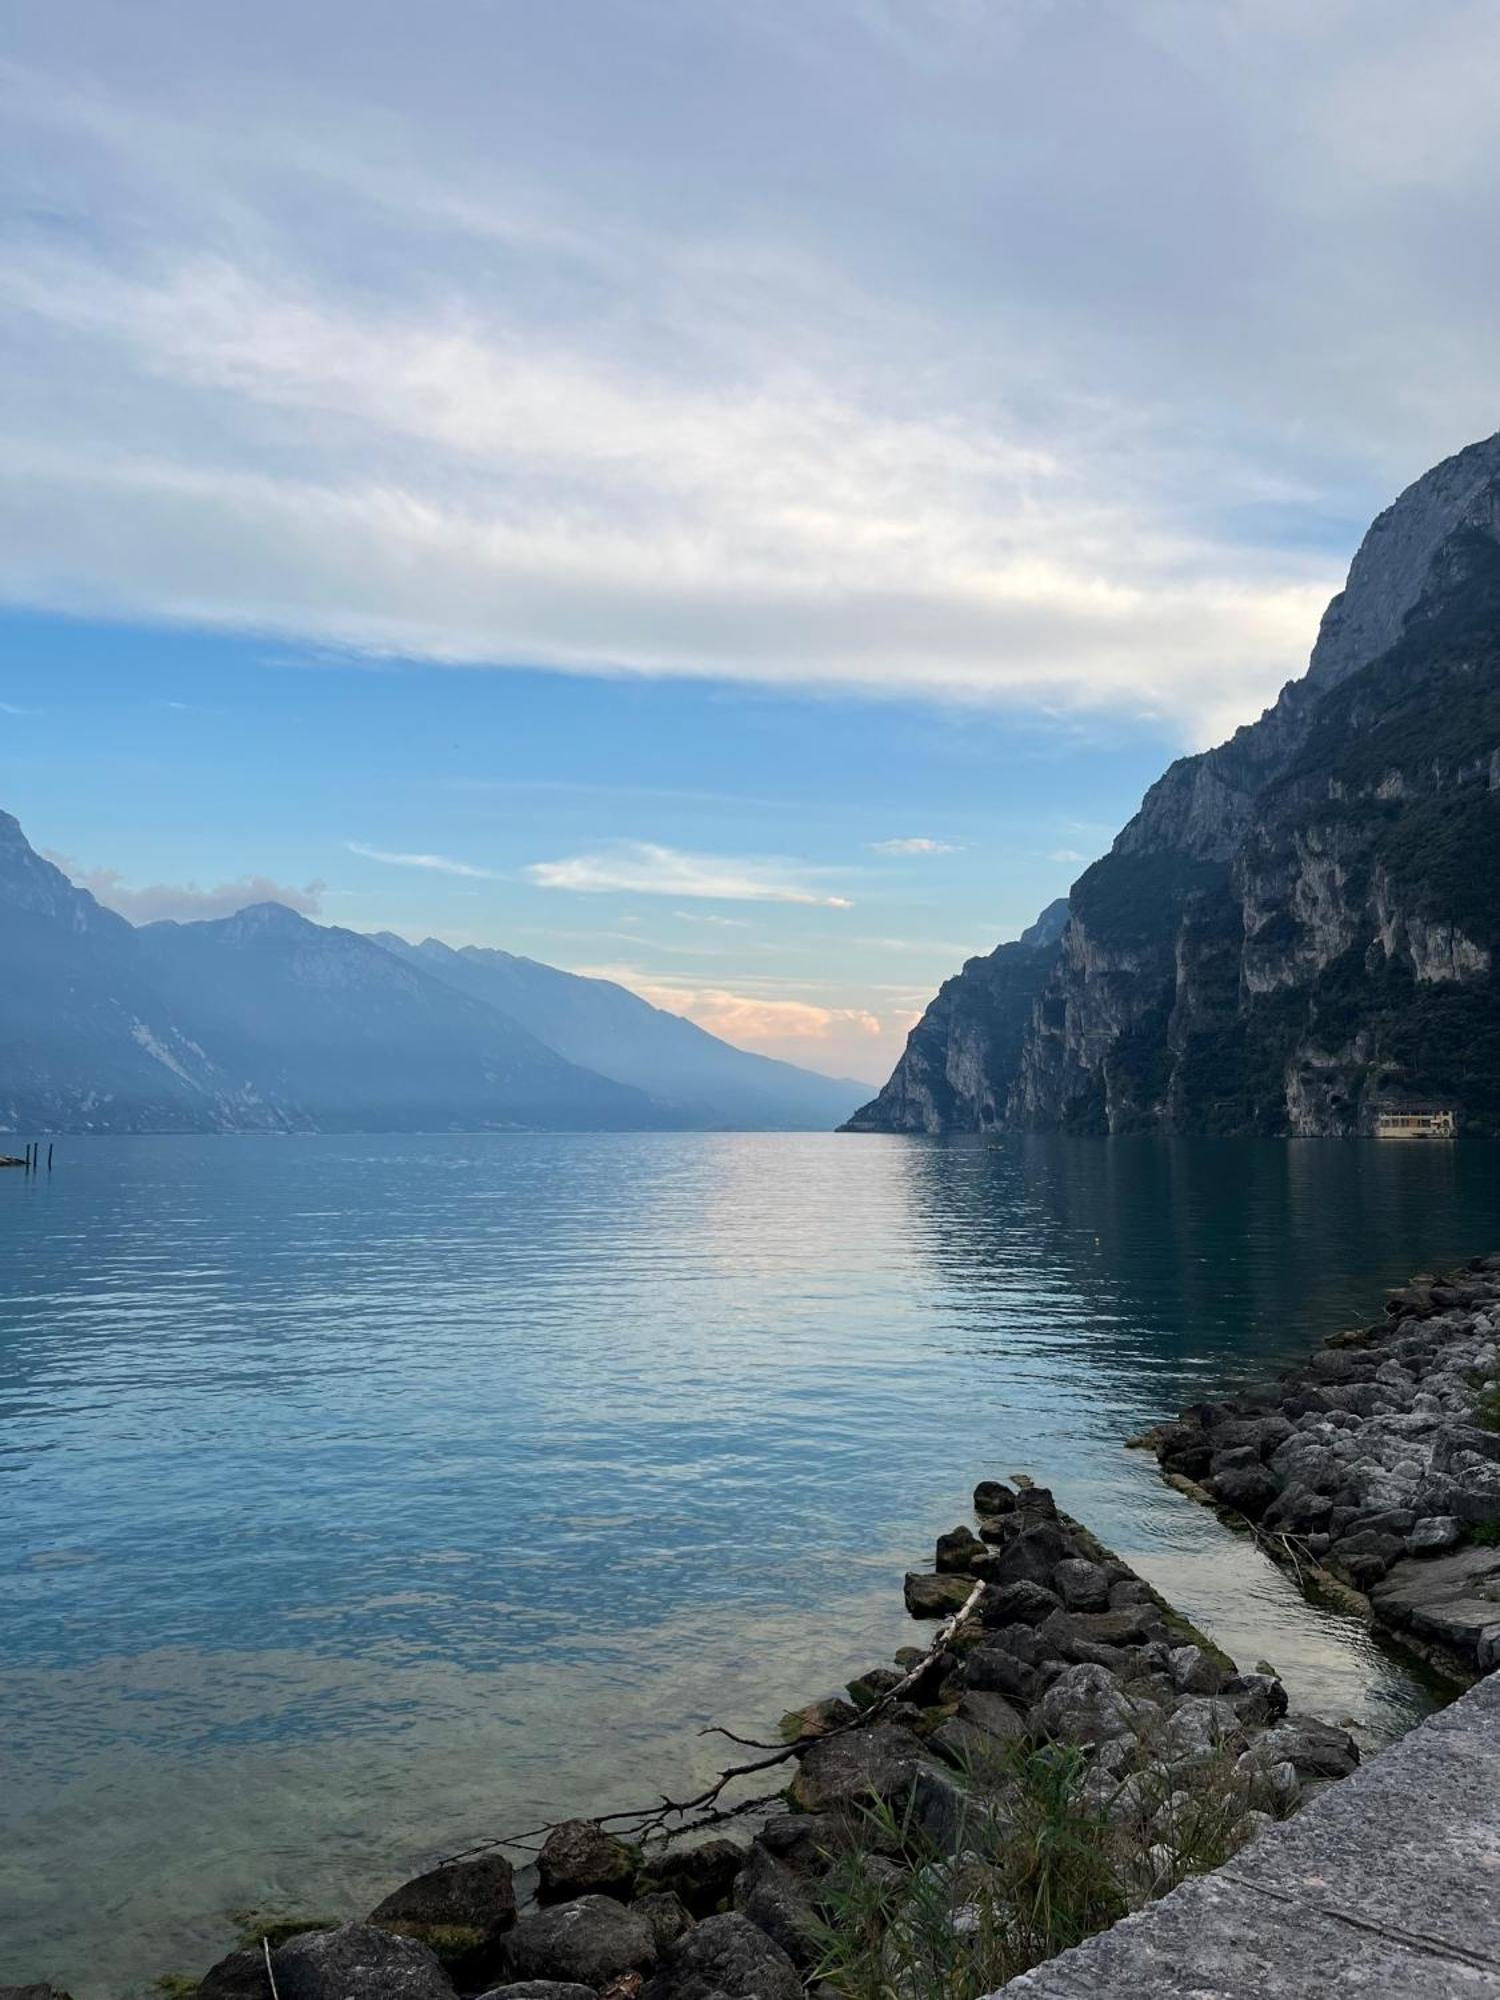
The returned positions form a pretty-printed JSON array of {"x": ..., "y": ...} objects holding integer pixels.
[{"x": 1065, "y": 1749}]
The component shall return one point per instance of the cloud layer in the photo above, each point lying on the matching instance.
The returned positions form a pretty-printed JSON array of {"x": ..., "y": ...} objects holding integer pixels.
[
  {"x": 1067, "y": 385},
  {"x": 642, "y": 868},
  {"x": 185, "y": 902}
]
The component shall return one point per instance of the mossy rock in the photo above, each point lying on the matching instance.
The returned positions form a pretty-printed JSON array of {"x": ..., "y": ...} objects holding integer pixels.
[
  {"x": 455, "y": 1946},
  {"x": 175, "y": 1985},
  {"x": 262, "y": 1927}
]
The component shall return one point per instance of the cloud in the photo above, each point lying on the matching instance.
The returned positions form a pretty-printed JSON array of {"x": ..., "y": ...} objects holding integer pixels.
[
  {"x": 1070, "y": 855},
  {"x": 9, "y": 708},
  {"x": 842, "y": 1040},
  {"x": 643, "y": 868},
  {"x": 498, "y": 355},
  {"x": 185, "y": 902},
  {"x": 916, "y": 845},
  {"x": 437, "y": 864}
]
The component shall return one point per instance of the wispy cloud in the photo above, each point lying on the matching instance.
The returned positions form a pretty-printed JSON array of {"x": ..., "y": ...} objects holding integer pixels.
[
  {"x": 645, "y": 869},
  {"x": 755, "y": 1021},
  {"x": 1071, "y": 855},
  {"x": 437, "y": 864},
  {"x": 185, "y": 902},
  {"x": 916, "y": 844},
  {"x": 10, "y": 708}
]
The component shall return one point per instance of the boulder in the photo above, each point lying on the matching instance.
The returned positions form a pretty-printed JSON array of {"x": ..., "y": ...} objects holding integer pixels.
[
  {"x": 1030, "y": 1556},
  {"x": 1195, "y": 1672},
  {"x": 1257, "y": 1699},
  {"x": 991, "y": 1712},
  {"x": 1083, "y": 1586},
  {"x": 588, "y": 1942},
  {"x": 818, "y": 1718},
  {"x": 1315, "y": 1749},
  {"x": 944, "y": 1812},
  {"x": 936, "y": 1596},
  {"x": 666, "y": 1913},
  {"x": 1017, "y": 1604},
  {"x": 703, "y": 1875},
  {"x": 1086, "y": 1704},
  {"x": 1248, "y": 1492},
  {"x": 778, "y": 1901},
  {"x": 240, "y": 1976},
  {"x": 957, "y": 1549},
  {"x": 540, "y": 1989},
  {"x": 579, "y": 1858},
  {"x": 994, "y": 1497},
  {"x": 877, "y": 1763},
  {"x": 1435, "y": 1535},
  {"x": 358, "y": 1962},
  {"x": 460, "y": 1911},
  {"x": 997, "y": 1670},
  {"x": 869, "y": 1687},
  {"x": 724, "y": 1955}
]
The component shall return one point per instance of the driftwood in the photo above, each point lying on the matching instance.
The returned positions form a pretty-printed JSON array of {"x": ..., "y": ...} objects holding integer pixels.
[{"x": 669, "y": 1818}]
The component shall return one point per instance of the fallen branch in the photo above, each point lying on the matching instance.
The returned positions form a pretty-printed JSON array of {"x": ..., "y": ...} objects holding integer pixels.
[{"x": 704, "y": 1808}]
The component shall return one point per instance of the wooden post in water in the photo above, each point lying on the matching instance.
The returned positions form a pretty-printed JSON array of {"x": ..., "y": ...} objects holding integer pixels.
[{"x": 49, "y": 1156}]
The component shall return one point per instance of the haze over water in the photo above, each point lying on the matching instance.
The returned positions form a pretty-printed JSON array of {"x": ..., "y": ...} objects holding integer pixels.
[{"x": 366, "y": 1497}]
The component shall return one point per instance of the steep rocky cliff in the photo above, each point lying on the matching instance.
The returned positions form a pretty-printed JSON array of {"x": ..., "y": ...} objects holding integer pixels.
[
  {"x": 962, "y": 1053},
  {"x": 1301, "y": 924}
]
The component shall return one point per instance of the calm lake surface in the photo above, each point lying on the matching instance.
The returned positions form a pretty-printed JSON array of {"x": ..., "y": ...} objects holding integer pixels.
[{"x": 365, "y": 1497}]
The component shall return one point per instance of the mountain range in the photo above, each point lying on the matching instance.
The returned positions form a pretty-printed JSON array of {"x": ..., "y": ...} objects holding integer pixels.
[
  {"x": 266, "y": 1021},
  {"x": 1298, "y": 928}
]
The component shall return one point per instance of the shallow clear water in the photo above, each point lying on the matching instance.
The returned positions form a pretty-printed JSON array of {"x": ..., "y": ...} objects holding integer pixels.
[{"x": 369, "y": 1496}]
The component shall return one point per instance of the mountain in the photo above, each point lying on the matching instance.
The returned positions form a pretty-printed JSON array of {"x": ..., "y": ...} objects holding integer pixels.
[
  {"x": 354, "y": 1038},
  {"x": 607, "y": 1028},
  {"x": 969, "y": 1041},
  {"x": 88, "y": 1041},
  {"x": 1300, "y": 925}
]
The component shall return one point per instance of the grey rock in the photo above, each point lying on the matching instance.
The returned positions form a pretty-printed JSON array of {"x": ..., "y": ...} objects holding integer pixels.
[
  {"x": 935, "y": 1596},
  {"x": 1086, "y": 1704},
  {"x": 1195, "y": 1672},
  {"x": 588, "y": 1942},
  {"x": 1436, "y": 1534},
  {"x": 461, "y": 1910},
  {"x": 957, "y": 1549},
  {"x": 1018, "y": 1603},
  {"x": 666, "y": 1913},
  {"x": 840, "y": 1771},
  {"x": 579, "y": 1858},
  {"x": 778, "y": 1901},
  {"x": 702, "y": 1875},
  {"x": 1083, "y": 1586},
  {"x": 358, "y": 1962},
  {"x": 727, "y": 1955},
  {"x": 239, "y": 1976}
]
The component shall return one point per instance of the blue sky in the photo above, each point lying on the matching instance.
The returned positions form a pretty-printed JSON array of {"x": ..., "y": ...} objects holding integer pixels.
[{"x": 600, "y": 478}]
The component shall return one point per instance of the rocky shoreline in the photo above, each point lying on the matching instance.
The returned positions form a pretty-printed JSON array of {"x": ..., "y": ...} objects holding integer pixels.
[
  {"x": 1048, "y": 1648},
  {"x": 1373, "y": 1468}
]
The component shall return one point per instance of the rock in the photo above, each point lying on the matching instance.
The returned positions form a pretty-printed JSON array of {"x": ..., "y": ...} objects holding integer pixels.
[
  {"x": 957, "y": 1549},
  {"x": 460, "y": 1911},
  {"x": 1030, "y": 1556},
  {"x": 1487, "y": 1652},
  {"x": 724, "y": 1955},
  {"x": 1201, "y": 1726},
  {"x": 579, "y": 1858},
  {"x": 945, "y": 1813},
  {"x": 936, "y": 1596},
  {"x": 240, "y": 1976},
  {"x": 1017, "y": 1604},
  {"x": 667, "y": 1915},
  {"x": 540, "y": 1989},
  {"x": 817, "y": 1719},
  {"x": 877, "y": 1763},
  {"x": 1083, "y": 1586},
  {"x": 991, "y": 1712},
  {"x": 1085, "y": 1704},
  {"x": 703, "y": 1876},
  {"x": 588, "y": 1942},
  {"x": 358, "y": 1962},
  {"x": 1315, "y": 1749},
  {"x": 1078, "y": 1635},
  {"x": 1248, "y": 1492},
  {"x": 997, "y": 1670},
  {"x": 993, "y": 1496},
  {"x": 1257, "y": 1699},
  {"x": 869, "y": 1687},
  {"x": 777, "y": 1901},
  {"x": 1434, "y": 1535},
  {"x": 1195, "y": 1672}
]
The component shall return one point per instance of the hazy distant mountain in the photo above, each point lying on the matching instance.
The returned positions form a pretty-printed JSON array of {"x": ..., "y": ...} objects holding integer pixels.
[
  {"x": 358, "y": 1039},
  {"x": 612, "y": 1030},
  {"x": 87, "y": 1039},
  {"x": 265, "y": 1021}
]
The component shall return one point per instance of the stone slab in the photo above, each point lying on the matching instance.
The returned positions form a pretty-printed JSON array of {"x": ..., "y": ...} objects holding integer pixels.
[
  {"x": 1386, "y": 1885},
  {"x": 1451, "y": 1599},
  {"x": 1214, "y": 1939}
]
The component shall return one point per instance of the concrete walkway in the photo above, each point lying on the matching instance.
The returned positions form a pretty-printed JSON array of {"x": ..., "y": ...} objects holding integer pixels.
[{"x": 1387, "y": 1886}]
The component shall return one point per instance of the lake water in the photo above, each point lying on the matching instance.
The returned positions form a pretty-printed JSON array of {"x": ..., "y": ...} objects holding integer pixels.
[{"x": 365, "y": 1497}]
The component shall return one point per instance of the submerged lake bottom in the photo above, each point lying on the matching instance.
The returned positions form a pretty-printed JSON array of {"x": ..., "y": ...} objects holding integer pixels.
[{"x": 367, "y": 1497}]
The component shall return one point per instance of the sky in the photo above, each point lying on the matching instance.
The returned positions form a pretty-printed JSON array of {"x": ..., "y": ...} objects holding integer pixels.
[{"x": 738, "y": 497}]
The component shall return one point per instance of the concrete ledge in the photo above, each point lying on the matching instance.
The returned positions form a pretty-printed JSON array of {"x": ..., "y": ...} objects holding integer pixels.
[{"x": 1388, "y": 1884}]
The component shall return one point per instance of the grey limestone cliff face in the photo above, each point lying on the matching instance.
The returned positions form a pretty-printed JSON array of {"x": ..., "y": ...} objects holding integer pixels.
[
  {"x": 959, "y": 1057},
  {"x": 1294, "y": 927}
]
